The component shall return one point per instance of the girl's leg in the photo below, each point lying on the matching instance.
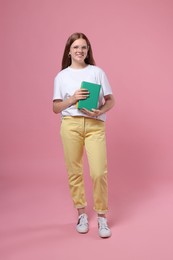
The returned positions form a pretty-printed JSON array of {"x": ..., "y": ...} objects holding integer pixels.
[
  {"x": 96, "y": 152},
  {"x": 73, "y": 144}
]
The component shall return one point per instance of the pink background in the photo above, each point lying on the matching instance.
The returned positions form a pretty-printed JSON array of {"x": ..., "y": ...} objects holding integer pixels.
[{"x": 132, "y": 41}]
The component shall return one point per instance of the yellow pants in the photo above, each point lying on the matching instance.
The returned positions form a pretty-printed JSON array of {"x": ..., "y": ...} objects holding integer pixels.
[{"x": 77, "y": 133}]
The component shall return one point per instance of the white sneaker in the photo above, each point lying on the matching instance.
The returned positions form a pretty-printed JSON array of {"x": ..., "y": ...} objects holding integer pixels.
[
  {"x": 82, "y": 225},
  {"x": 104, "y": 230}
]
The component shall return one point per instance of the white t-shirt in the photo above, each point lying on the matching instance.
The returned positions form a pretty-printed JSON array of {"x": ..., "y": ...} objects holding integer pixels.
[{"x": 69, "y": 80}]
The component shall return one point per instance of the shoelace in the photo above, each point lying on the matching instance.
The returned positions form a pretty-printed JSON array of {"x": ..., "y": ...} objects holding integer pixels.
[
  {"x": 82, "y": 220},
  {"x": 103, "y": 224}
]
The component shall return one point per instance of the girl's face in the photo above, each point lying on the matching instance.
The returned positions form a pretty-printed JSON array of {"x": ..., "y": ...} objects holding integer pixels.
[{"x": 78, "y": 51}]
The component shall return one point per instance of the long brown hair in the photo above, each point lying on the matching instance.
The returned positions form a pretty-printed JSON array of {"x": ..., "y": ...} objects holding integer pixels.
[{"x": 66, "y": 60}]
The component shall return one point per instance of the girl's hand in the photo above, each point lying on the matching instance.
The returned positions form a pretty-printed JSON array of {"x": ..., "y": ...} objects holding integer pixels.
[
  {"x": 80, "y": 94},
  {"x": 93, "y": 113}
]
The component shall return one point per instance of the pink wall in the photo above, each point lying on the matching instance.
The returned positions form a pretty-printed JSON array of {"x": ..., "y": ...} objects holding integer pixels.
[{"x": 132, "y": 41}]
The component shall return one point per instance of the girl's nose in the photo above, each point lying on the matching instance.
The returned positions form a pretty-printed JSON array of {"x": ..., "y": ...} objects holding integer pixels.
[{"x": 80, "y": 48}]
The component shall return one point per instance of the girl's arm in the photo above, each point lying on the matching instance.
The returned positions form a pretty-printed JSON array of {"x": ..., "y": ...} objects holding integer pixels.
[
  {"x": 109, "y": 103},
  {"x": 59, "y": 104}
]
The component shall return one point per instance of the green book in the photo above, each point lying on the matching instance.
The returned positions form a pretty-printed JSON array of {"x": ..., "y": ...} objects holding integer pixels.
[{"x": 92, "y": 100}]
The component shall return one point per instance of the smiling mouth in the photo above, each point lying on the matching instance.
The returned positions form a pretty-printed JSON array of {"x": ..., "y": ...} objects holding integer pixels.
[{"x": 80, "y": 55}]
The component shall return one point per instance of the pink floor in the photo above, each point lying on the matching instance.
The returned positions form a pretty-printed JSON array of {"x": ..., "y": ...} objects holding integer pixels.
[
  {"x": 38, "y": 220},
  {"x": 132, "y": 41}
]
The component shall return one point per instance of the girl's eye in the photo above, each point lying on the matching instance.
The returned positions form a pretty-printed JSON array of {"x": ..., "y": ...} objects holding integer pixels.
[{"x": 82, "y": 47}]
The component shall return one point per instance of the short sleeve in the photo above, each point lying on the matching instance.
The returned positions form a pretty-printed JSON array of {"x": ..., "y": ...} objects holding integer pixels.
[
  {"x": 105, "y": 84},
  {"x": 57, "y": 88}
]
